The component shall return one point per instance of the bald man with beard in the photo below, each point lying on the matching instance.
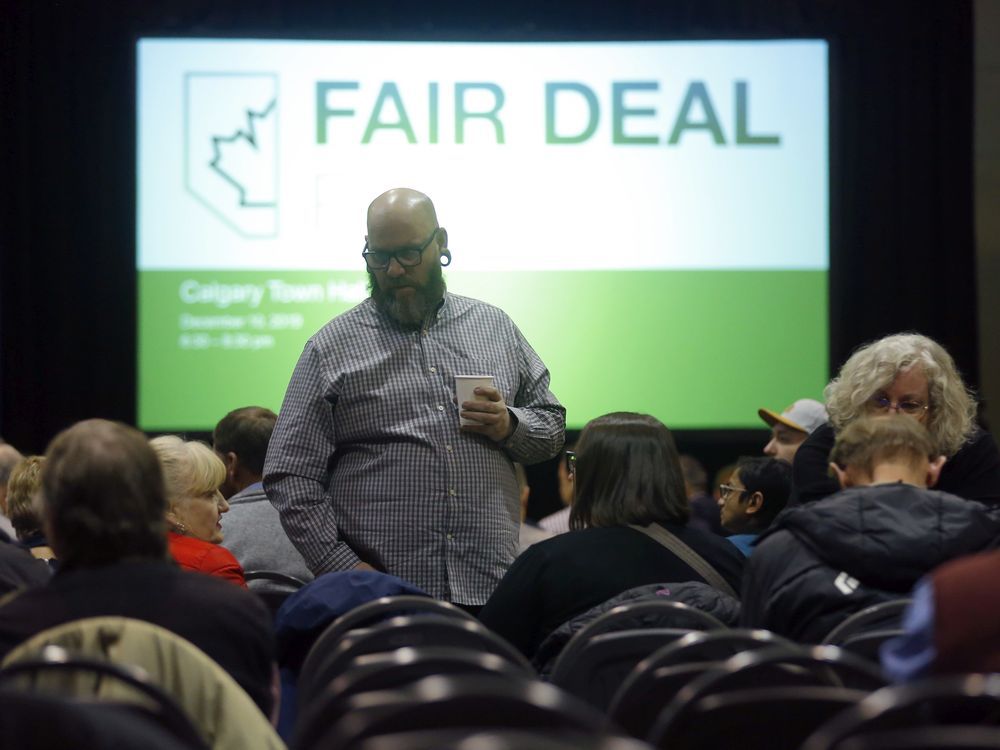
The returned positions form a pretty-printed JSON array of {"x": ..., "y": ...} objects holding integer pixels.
[{"x": 368, "y": 465}]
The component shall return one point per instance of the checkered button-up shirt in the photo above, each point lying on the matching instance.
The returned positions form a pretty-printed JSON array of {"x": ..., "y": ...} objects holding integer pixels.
[{"x": 367, "y": 462}]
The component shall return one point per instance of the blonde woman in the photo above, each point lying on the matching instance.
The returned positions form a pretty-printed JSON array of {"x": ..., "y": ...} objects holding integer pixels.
[
  {"x": 192, "y": 474},
  {"x": 911, "y": 376}
]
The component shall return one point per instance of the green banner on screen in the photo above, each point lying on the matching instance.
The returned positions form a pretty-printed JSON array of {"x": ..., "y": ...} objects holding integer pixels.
[{"x": 211, "y": 341}]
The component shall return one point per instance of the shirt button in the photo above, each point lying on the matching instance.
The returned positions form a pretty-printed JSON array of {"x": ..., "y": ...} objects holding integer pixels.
[
  {"x": 440, "y": 408},
  {"x": 452, "y": 492},
  {"x": 451, "y": 536},
  {"x": 448, "y": 448},
  {"x": 434, "y": 369}
]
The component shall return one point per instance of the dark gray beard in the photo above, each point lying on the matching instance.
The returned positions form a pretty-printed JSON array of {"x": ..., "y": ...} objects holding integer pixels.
[{"x": 410, "y": 312}]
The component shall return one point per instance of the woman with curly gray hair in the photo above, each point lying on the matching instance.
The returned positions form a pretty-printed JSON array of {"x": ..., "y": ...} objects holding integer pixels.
[{"x": 910, "y": 375}]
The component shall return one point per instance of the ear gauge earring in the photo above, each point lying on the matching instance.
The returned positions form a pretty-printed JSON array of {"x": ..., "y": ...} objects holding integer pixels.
[{"x": 446, "y": 253}]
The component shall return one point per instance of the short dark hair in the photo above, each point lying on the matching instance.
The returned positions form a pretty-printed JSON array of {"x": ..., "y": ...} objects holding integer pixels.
[
  {"x": 772, "y": 478},
  {"x": 103, "y": 495},
  {"x": 246, "y": 432},
  {"x": 627, "y": 472}
]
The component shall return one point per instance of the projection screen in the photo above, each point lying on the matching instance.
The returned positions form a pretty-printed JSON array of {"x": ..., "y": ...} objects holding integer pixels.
[{"x": 652, "y": 215}]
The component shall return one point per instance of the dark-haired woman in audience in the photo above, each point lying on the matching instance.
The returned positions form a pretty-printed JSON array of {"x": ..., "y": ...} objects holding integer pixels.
[
  {"x": 22, "y": 486},
  {"x": 907, "y": 374},
  {"x": 627, "y": 479},
  {"x": 193, "y": 474}
]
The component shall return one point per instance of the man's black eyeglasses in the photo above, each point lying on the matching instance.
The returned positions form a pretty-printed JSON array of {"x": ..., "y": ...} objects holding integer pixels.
[{"x": 408, "y": 257}]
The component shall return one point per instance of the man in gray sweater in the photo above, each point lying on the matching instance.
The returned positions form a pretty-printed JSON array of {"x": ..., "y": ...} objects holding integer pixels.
[{"x": 253, "y": 531}]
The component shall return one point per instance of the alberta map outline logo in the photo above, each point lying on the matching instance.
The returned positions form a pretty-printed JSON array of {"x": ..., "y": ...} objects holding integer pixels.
[{"x": 231, "y": 148}]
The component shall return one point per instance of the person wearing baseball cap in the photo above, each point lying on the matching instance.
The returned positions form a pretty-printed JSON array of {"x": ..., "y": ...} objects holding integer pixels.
[{"x": 790, "y": 428}]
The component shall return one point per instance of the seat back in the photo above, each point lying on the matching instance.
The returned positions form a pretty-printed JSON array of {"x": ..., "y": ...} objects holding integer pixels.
[
  {"x": 635, "y": 709},
  {"x": 884, "y": 616},
  {"x": 597, "y": 668},
  {"x": 368, "y": 614},
  {"x": 500, "y": 739},
  {"x": 927, "y": 738},
  {"x": 405, "y": 631},
  {"x": 57, "y": 676},
  {"x": 272, "y": 587},
  {"x": 868, "y": 643},
  {"x": 33, "y": 721},
  {"x": 776, "y": 718},
  {"x": 275, "y": 576},
  {"x": 464, "y": 701},
  {"x": 639, "y": 615},
  {"x": 970, "y": 700},
  {"x": 772, "y": 667},
  {"x": 226, "y": 716},
  {"x": 390, "y": 671},
  {"x": 656, "y": 679}
]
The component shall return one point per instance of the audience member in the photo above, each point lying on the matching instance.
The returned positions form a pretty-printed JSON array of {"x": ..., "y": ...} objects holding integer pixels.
[
  {"x": 9, "y": 456},
  {"x": 104, "y": 505},
  {"x": 912, "y": 375},
  {"x": 192, "y": 474},
  {"x": 19, "y": 569},
  {"x": 953, "y": 623},
  {"x": 756, "y": 493},
  {"x": 253, "y": 527},
  {"x": 530, "y": 532},
  {"x": 629, "y": 491},
  {"x": 870, "y": 543},
  {"x": 22, "y": 489},
  {"x": 704, "y": 507},
  {"x": 791, "y": 428},
  {"x": 558, "y": 522}
]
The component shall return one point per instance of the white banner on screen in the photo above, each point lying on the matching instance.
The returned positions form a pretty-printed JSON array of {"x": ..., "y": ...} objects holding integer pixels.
[{"x": 652, "y": 155}]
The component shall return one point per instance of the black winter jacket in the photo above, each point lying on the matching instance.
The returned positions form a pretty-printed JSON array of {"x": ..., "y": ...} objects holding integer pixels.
[
  {"x": 820, "y": 563},
  {"x": 693, "y": 593}
]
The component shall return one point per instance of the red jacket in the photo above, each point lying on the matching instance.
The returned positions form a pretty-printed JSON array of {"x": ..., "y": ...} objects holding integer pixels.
[{"x": 205, "y": 557}]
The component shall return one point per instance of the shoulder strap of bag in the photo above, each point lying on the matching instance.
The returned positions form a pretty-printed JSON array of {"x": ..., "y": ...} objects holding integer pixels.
[{"x": 697, "y": 563}]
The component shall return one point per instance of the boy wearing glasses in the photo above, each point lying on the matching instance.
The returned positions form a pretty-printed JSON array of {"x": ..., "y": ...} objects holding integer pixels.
[{"x": 755, "y": 494}]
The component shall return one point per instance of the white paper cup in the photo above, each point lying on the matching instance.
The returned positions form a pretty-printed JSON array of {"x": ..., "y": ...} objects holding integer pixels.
[{"x": 465, "y": 386}]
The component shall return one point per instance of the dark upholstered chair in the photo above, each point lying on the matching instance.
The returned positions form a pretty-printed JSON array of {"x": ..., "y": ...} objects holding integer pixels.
[
  {"x": 952, "y": 703},
  {"x": 655, "y": 681},
  {"x": 390, "y": 671},
  {"x": 482, "y": 702},
  {"x": 772, "y": 667}
]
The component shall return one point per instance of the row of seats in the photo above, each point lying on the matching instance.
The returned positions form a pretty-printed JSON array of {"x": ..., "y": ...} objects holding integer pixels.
[
  {"x": 675, "y": 678},
  {"x": 412, "y": 672}
]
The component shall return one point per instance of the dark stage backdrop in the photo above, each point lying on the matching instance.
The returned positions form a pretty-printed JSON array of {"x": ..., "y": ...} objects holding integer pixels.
[{"x": 901, "y": 257}]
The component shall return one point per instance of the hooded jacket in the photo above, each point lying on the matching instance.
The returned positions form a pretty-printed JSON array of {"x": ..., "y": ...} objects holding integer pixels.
[{"x": 820, "y": 563}]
